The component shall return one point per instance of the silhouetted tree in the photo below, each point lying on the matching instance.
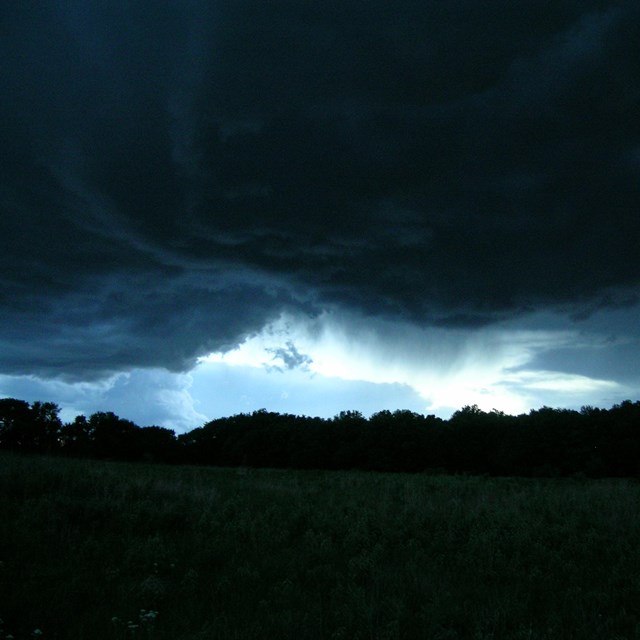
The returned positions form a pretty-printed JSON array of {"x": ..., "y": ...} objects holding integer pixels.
[
  {"x": 46, "y": 427},
  {"x": 545, "y": 442},
  {"x": 15, "y": 419},
  {"x": 29, "y": 428},
  {"x": 76, "y": 437},
  {"x": 157, "y": 444},
  {"x": 113, "y": 437}
]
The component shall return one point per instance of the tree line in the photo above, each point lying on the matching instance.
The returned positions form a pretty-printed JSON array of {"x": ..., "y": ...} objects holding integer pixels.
[{"x": 549, "y": 442}]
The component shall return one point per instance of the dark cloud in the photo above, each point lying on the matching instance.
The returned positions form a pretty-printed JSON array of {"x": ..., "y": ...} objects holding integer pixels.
[
  {"x": 604, "y": 361},
  {"x": 146, "y": 322},
  {"x": 174, "y": 175},
  {"x": 290, "y": 357}
]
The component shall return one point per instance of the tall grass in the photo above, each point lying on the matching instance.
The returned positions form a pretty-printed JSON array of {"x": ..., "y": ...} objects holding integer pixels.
[{"x": 98, "y": 550}]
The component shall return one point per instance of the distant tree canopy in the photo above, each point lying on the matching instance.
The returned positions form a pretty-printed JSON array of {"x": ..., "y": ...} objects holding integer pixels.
[
  {"x": 545, "y": 442},
  {"x": 27, "y": 427}
]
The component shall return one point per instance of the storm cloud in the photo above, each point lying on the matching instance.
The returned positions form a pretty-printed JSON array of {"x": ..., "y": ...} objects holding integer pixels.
[{"x": 175, "y": 175}]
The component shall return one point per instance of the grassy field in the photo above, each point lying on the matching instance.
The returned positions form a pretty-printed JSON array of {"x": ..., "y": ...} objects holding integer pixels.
[{"x": 106, "y": 550}]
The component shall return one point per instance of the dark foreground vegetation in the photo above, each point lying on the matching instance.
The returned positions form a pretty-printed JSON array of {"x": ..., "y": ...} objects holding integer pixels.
[
  {"x": 546, "y": 442},
  {"x": 109, "y": 550}
]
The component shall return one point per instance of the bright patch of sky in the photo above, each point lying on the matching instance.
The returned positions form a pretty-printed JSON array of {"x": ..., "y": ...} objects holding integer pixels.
[
  {"x": 321, "y": 366},
  {"x": 446, "y": 368}
]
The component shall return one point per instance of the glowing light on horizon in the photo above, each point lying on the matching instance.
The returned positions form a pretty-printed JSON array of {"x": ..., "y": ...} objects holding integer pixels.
[{"x": 448, "y": 368}]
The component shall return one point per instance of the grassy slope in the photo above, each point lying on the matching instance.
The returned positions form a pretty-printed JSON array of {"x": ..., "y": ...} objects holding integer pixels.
[{"x": 270, "y": 554}]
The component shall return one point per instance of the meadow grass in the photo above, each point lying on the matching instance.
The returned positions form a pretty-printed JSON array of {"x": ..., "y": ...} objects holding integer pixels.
[{"x": 97, "y": 550}]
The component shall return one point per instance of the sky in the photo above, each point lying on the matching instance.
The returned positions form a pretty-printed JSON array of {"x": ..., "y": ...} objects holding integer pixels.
[{"x": 209, "y": 208}]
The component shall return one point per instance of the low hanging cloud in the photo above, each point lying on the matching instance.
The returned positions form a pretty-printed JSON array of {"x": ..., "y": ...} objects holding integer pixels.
[
  {"x": 289, "y": 357},
  {"x": 176, "y": 176}
]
